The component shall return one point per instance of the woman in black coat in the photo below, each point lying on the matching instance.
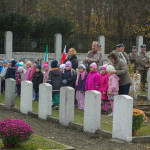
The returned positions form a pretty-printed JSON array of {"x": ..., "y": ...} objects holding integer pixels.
[{"x": 73, "y": 58}]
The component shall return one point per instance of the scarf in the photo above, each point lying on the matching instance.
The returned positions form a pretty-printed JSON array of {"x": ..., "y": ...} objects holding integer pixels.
[
  {"x": 82, "y": 77},
  {"x": 54, "y": 69}
]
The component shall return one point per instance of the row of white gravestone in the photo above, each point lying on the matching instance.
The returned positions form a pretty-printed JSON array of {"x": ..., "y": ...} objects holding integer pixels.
[{"x": 122, "y": 115}]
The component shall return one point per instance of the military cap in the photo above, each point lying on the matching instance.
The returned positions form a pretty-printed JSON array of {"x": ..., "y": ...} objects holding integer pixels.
[
  {"x": 143, "y": 46},
  {"x": 121, "y": 45},
  {"x": 134, "y": 47}
]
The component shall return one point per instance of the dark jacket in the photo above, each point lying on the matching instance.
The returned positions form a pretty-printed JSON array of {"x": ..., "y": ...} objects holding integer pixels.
[
  {"x": 37, "y": 79},
  {"x": 55, "y": 79},
  {"x": 81, "y": 83},
  {"x": 11, "y": 71},
  {"x": 70, "y": 77},
  {"x": 73, "y": 60}
]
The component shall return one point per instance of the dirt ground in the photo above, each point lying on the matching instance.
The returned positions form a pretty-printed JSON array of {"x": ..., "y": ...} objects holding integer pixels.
[{"x": 79, "y": 140}]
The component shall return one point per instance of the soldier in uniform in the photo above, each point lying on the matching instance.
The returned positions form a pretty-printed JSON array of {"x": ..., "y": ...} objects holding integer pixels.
[
  {"x": 142, "y": 60},
  {"x": 120, "y": 53},
  {"x": 132, "y": 57},
  {"x": 124, "y": 53}
]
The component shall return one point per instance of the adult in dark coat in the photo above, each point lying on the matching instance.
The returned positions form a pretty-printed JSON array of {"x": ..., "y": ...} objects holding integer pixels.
[
  {"x": 11, "y": 71},
  {"x": 73, "y": 58}
]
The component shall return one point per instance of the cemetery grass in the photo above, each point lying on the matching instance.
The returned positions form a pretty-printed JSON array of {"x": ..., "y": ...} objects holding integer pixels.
[
  {"x": 35, "y": 143},
  {"x": 106, "y": 122}
]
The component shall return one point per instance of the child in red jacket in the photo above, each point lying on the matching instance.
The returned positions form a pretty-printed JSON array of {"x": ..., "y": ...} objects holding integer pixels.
[{"x": 103, "y": 88}]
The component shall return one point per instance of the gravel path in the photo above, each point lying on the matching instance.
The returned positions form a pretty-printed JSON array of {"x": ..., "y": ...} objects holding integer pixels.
[{"x": 79, "y": 140}]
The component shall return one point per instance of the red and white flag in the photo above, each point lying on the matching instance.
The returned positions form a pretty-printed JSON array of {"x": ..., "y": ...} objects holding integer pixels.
[{"x": 63, "y": 55}]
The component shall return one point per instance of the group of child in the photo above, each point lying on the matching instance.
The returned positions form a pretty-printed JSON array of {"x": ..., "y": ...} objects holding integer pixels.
[
  {"x": 64, "y": 75},
  {"x": 105, "y": 82}
]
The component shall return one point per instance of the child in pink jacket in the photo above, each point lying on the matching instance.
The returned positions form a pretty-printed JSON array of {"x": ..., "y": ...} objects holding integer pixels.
[
  {"x": 103, "y": 88},
  {"x": 28, "y": 66},
  {"x": 46, "y": 74},
  {"x": 113, "y": 86},
  {"x": 33, "y": 70},
  {"x": 92, "y": 81}
]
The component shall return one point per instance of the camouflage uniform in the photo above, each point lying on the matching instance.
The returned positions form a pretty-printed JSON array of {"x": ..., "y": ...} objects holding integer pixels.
[{"x": 142, "y": 59}]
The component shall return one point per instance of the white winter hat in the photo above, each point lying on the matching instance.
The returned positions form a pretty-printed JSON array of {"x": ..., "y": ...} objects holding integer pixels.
[
  {"x": 110, "y": 68},
  {"x": 81, "y": 66},
  {"x": 21, "y": 63}
]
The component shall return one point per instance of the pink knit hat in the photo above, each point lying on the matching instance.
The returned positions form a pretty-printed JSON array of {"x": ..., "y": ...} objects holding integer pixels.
[
  {"x": 104, "y": 67},
  {"x": 93, "y": 65},
  {"x": 68, "y": 64},
  {"x": 29, "y": 63},
  {"x": 45, "y": 65}
]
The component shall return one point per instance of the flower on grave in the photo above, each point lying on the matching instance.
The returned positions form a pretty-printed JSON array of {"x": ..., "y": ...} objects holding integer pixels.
[
  {"x": 13, "y": 131},
  {"x": 138, "y": 118}
]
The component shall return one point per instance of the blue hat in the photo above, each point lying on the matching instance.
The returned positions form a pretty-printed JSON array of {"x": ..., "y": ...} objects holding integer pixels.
[
  {"x": 6, "y": 62},
  {"x": 54, "y": 64},
  {"x": 13, "y": 63},
  {"x": 121, "y": 45},
  {"x": 143, "y": 46},
  {"x": 1, "y": 62},
  {"x": 134, "y": 47},
  {"x": 38, "y": 66}
]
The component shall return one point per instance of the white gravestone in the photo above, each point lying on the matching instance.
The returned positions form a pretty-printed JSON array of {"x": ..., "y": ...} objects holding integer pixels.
[
  {"x": 26, "y": 97},
  {"x": 66, "y": 107},
  {"x": 92, "y": 111},
  {"x": 122, "y": 117},
  {"x": 10, "y": 93},
  {"x": 45, "y": 100}
]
